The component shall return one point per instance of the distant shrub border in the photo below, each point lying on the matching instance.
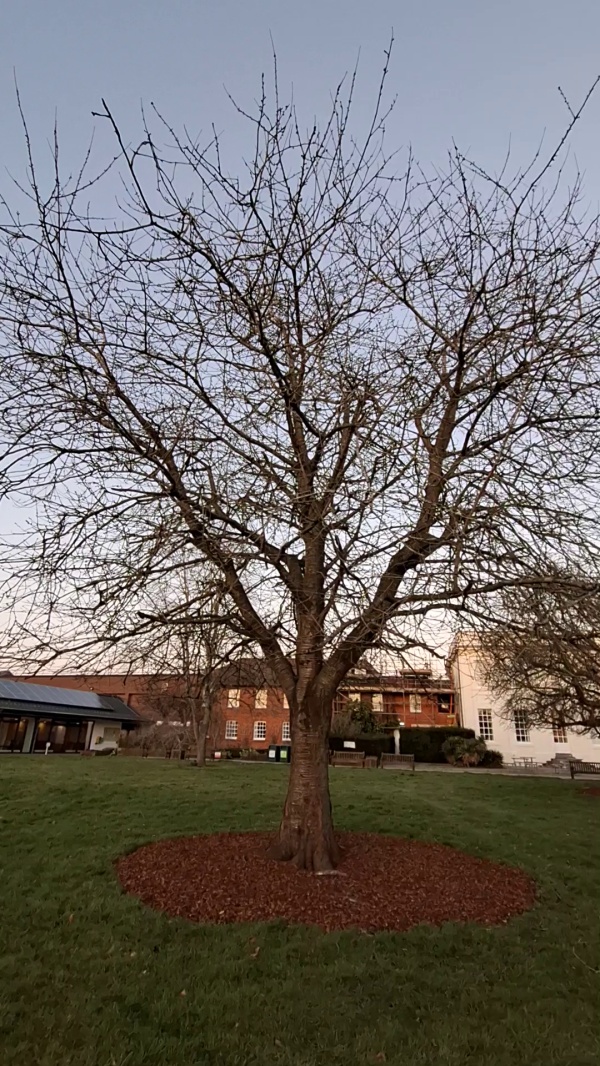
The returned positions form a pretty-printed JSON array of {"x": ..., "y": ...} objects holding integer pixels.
[{"x": 425, "y": 744}]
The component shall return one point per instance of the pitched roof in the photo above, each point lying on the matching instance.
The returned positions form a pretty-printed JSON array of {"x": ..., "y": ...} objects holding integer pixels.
[{"x": 28, "y": 698}]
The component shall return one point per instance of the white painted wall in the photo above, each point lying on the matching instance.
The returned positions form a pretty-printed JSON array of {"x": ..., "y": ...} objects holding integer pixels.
[
  {"x": 102, "y": 735},
  {"x": 472, "y": 695}
]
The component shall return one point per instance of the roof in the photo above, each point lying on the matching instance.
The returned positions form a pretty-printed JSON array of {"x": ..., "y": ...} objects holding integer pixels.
[
  {"x": 27, "y": 698},
  {"x": 247, "y": 673},
  {"x": 256, "y": 673}
]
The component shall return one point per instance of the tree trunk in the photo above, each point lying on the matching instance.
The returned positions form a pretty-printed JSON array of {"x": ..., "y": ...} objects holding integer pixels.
[
  {"x": 305, "y": 835},
  {"x": 201, "y": 747},
  {"x": 201, "y": 724}
]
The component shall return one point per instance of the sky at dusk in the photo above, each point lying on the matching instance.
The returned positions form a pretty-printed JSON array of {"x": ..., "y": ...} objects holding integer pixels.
[{"x": 478, "y": 73}]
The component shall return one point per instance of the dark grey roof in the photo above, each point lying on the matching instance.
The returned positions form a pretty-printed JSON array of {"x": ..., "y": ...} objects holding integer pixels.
[
  {"x": 247, "y": 673},
  {"x": 255, "y": 673},
  {"x": 26, "y": 698}
]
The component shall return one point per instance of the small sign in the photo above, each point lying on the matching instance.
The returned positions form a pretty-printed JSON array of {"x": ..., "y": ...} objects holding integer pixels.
[
  {"x": 349, "y": 743},
  {"x": 217, "y": 755}
]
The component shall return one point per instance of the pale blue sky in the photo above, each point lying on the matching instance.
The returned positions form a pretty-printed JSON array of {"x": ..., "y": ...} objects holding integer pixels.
[{"x": 476, "y": 71}]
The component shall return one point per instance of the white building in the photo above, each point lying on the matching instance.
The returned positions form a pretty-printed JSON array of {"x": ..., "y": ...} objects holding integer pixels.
[{"x": 477, "y": 709}]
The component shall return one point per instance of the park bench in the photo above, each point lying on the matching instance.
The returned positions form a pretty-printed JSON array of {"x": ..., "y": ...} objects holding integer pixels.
[
  {"x": 398, "y": 762},
  {"x": 348, "y": 758},
  {"x": 577, "y": 766}
]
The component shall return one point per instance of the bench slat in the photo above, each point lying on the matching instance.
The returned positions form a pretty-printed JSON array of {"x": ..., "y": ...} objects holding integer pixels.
[
  {"x": 348, "y": 758},
  {"x": 577, "y": 766},
  {"x": 398, "y": 762}
]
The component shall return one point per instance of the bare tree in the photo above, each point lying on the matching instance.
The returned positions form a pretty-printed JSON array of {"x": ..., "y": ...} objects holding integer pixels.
[
  {"x": 544, "y": 659},
  {"x": 182, "y": 647},
  {"x": 366, "y": 395}
]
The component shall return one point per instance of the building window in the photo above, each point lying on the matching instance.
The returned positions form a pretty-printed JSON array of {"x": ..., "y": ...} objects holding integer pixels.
[
  {"x": 286, "y": 733},
  {"x": 260, "y": 700},
  {"x": 260, "y": 731},
  {"x": 486, "y": 730},
  {"x": 377, "y": 703},
  {"x": 415, "y": 704},
  {"x": 521, "y": 727},
  {"x": 231, "y": 730},
  {"x": 286, "y": 705},
  {"x": 233, "y": 697},
  {"x": 559, "y": 733}
]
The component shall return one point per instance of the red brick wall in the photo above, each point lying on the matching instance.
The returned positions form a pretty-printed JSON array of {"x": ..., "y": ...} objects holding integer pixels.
[
  {"x": 246, "y": 714},
  {"x": 143, "y": 696},
  {"x": 398, "y": 705}
]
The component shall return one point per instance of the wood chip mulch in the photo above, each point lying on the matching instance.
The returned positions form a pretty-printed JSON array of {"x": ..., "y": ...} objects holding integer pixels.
[
  {"x": 382, "y": 883},
  {"x": 591, "y": 790}
]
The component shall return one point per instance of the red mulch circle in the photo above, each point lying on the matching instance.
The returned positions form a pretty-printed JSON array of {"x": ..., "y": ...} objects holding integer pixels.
[
  {"x": 383, "y": 883},
  {"x": 592, "y": 790}
]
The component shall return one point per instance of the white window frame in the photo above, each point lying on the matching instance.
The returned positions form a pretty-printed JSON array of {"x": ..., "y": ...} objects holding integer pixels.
[
  {"x": 260, "y": 731},
  {"x": 286, "y": 705},
  {"x": 414, "y": 703},
  {"x": 233, "y": 697},
  {"x": 231, "y": 729},
  {"x": 286, "y": 732},
  {"x": 486, "y": 723},
  {"x": 260, "y": 699},
  {"x": 377, "y": 703},
  {"x": 521, "y": 728},
  {"x": 559, "y": 733}
]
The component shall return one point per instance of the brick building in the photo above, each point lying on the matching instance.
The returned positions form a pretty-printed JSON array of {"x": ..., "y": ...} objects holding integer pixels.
[{"x": 252, "y": 712}]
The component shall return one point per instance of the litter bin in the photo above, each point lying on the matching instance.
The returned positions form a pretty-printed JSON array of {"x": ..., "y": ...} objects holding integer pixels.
[
  {"x": 285, "y": 753},
  {"x": 274, "y": 753}
]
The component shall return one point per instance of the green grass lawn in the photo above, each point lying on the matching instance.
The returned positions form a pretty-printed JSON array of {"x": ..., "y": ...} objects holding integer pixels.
[{"x": 89, "y": 977}]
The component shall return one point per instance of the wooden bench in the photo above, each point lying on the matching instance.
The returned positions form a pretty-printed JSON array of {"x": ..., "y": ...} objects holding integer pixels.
[
  {"x": 398, "y": 762},
  {"x": 576, "y": 766},
  {"x": 348, "y": 758}
]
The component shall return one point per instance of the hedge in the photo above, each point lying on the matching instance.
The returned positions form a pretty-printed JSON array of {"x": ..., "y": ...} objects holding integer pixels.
[
  {"x": 370, "y": 743},
  {"x": 426, "y": 744}
]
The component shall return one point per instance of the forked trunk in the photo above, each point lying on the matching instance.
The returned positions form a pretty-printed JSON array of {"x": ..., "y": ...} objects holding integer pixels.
[{"x": 305, "y": 835}]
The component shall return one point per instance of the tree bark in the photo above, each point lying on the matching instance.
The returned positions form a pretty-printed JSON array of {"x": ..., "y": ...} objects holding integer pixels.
[
  {"x": 201, "y": 723},
  {"x": 305, "y": 835},
  {"x": 201, "y": 747}
]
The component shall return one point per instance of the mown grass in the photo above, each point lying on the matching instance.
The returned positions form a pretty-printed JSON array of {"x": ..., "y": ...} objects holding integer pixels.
[{"x": 89, "y": 977}]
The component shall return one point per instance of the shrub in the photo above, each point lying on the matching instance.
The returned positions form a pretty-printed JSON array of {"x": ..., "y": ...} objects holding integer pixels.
[
  {"x": 354, "y": 719},
  {"x": 362, "y": 714},
  {"x": 492, "y": 759},
  {"x": 464, "y": 751},
  {"x": 426, "y": 744}
]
